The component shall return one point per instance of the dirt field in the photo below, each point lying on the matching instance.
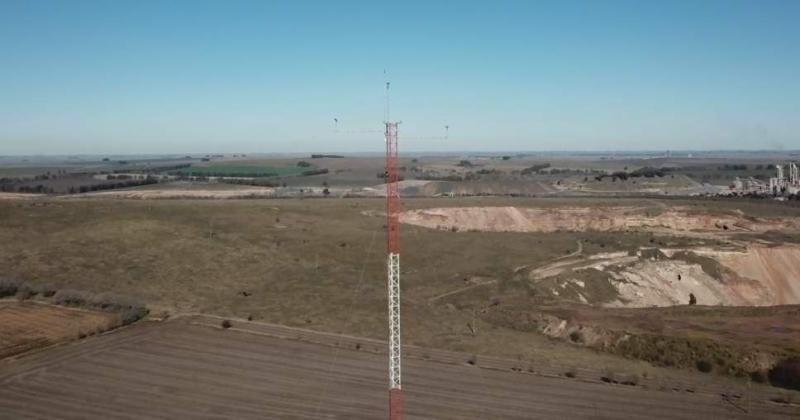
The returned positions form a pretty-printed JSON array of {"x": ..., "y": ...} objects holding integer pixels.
[
  {"x": 26, "y": 326},
  {"x": 190, "y": 370}
]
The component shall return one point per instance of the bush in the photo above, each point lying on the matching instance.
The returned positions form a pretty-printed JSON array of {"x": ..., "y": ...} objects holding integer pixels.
[
  {"x": 704, "y": 366},
  {"x": 70, "y": 297},
  {"x": 9, "y": 287},
  {"x": 786, "y": 373},
  {"x": 25, "y": 292},
  {"x": 129, "y": 310},
  {"x": 226, "y": 324},
  {"x": 111, "y": 302},
  {"x": 132, "y": 314},
  {"x": 758, "y": 377},
  {"x": 45, "y": 289},
  {"x": 608, "y": 377}
]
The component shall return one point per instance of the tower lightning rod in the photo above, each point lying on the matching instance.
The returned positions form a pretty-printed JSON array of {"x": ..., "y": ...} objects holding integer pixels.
[{"x": 393, "y": 264}]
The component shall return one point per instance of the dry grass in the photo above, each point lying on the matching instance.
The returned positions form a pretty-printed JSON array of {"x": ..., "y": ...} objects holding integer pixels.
[{"x": 316, "y": 263}]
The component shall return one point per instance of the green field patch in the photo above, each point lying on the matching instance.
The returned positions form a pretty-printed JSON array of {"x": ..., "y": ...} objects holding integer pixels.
[{"x": 240, "y": 170}]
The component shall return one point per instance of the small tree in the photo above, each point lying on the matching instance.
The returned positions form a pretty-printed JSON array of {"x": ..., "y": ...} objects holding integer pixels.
[{"x": 692, "y": 299}]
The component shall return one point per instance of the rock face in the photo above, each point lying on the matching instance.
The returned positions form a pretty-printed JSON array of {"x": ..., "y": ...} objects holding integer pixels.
[
  {"x": 764, "y": 275},
  {"x": 579, "y": 219}
]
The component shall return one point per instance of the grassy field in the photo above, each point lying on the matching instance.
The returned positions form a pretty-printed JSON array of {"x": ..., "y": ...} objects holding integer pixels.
[
  {"x": 242, "y": 170},
  {"x": 315, "y": 263}
]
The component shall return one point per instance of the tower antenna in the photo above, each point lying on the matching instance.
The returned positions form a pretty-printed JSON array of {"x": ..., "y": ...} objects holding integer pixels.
[{"x": 393, "y": 264}]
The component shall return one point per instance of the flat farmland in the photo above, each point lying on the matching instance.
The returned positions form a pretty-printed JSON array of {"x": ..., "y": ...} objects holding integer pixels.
[
  {"x": 243, "y": 169},
  {"x": 185, "y": 368},
  {"x": 25, "y": 326}
]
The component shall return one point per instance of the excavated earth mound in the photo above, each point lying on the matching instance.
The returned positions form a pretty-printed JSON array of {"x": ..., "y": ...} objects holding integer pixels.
[
  {"x": 579, "y": 219},
  {"x": 756, "y": 276}
]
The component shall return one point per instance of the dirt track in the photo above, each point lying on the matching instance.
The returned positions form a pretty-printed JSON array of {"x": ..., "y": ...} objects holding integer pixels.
[{"x": 192, "y": 370}]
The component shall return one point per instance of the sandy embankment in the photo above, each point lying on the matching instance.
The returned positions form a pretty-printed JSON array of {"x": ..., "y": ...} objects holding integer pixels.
[{"x": 580, "y": 219}]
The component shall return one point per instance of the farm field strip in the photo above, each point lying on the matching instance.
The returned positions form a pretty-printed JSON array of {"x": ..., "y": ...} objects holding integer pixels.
[
  {"x": 186, "y": 368},
  {"x": 699, "y": 384}
]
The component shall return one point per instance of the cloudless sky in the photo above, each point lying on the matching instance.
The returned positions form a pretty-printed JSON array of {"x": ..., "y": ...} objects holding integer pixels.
[{"x": 267, "y": 76}]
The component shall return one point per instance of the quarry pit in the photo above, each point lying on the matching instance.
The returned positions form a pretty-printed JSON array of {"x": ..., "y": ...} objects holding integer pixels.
[{"x": 742, "y": 273}]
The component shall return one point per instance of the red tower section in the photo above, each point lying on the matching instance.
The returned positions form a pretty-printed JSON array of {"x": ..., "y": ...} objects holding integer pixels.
[{"x": 392, "y": 191}]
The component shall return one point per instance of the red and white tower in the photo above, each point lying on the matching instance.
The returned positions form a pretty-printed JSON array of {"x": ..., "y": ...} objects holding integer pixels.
[{"x": 393, "y": 264}]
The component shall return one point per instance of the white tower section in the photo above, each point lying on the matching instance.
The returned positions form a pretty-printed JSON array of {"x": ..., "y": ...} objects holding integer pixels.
[{"x": 393, "y": 265}]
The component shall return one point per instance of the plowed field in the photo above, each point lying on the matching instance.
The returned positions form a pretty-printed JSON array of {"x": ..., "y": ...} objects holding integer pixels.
[{"x": 182, "y": 370}]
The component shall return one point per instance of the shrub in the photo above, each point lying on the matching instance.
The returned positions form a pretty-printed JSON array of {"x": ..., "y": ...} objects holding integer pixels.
[
  {"x": 132, "y": 314},
  {"x": 630, "y": 380},
  {"x": 70, "y": 297},
  {"x": 758, "y": 377},
  {"x": 609, "y": 377},
  {"x": 226, "y": 324},
  {"x": 45, "y": 289},
  {"x": 9, "y": 287},
  {"x": 786, "y": 373},
  {"x": 25, "y": 292},
  {"x": 704, "y": 366},
  {"x": 129, "y": 310},
  {"x": 112, "y": 302}
]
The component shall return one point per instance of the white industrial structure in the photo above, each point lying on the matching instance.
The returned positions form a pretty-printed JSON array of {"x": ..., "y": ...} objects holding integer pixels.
[{"x": 783, "y": 185}]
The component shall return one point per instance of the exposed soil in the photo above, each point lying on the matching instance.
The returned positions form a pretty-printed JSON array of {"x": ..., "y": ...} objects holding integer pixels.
[
  {"x": 757, "y": 275},
  {"x": 581, "y": 219},
  {"x": 26, "y": 326},
  {"x": 180, "y": 370}
]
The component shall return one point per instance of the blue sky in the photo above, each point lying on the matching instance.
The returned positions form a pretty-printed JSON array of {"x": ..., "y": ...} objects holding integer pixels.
[{"x": 268, "y": 76}]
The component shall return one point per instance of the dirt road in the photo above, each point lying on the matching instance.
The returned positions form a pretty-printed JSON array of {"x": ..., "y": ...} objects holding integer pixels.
[{"x": 182, "y": 369}]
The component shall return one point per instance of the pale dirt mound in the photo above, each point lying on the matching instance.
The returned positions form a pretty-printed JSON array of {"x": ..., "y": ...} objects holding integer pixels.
[
  {"x": 757, "y": 276},
  {"x": 18, "y": 196},
  {"x": 656, "y": 283},
  {"x": 775, "y": 268},
  {"x": 579, "y": 219},
  {"x": 406, "y": 187}
]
